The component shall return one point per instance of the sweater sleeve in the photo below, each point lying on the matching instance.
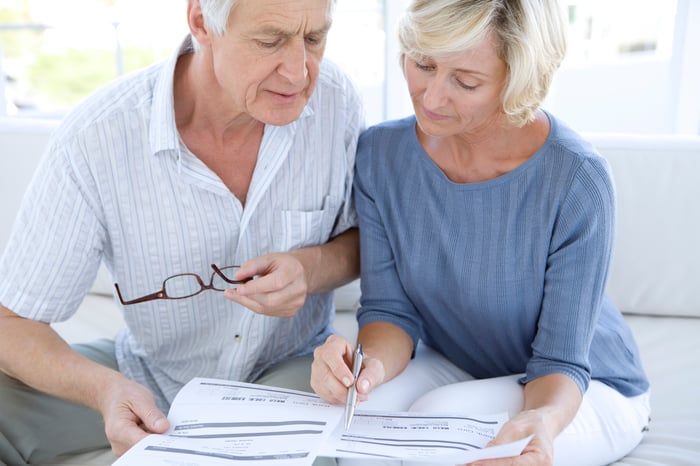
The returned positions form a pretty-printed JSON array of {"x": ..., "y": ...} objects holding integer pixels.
[
  {"x": 383, "y": 296},
  {"x": 576, "y": 274}
]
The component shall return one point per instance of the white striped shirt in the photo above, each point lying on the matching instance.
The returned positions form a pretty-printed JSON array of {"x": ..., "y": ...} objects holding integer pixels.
[{"x": 116, "y": 185}]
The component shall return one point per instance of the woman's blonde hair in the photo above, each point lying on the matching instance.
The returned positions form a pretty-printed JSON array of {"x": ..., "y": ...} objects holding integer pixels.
[{"x": 530, "y": 34}]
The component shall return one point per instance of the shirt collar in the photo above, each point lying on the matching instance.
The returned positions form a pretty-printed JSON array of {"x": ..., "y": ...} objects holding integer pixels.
[{"x": 163, "y": 134}]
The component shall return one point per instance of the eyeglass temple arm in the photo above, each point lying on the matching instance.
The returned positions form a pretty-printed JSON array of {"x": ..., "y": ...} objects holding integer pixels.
[
  {"x": 227, "y": 280},
  {"x": 157, "y": 295}
]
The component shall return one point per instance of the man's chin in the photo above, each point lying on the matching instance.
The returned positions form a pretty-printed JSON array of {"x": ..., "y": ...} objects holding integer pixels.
[{"x": 280, "y": 116}]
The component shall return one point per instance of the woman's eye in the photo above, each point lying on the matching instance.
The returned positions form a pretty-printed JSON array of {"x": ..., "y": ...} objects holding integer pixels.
[
  {"x": 424, "y": 67},
  {"x": 466, "y": 86}
]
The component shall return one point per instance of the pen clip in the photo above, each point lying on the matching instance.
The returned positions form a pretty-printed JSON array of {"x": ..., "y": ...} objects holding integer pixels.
[
  {"x": 357, "y": 363},
  {"x": 351, "y": 400}
]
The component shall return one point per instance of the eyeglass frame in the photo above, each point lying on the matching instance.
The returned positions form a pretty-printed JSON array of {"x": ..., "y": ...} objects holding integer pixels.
[{"x": 162, "y": 294}]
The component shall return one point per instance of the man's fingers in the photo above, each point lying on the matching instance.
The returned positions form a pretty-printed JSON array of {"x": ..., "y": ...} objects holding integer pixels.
[
  {"x": 152, "y": 421},
  {"x": 149, "y": 415},
  {"x": 257, "y": 266},
  {"x": 263, "y": 284},
  {"x": 156, "y": 422},
  {"x": 274, "y": 304}
]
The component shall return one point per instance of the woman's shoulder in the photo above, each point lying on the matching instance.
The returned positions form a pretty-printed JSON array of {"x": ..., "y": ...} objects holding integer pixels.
[
  {"x": 388, "y": 133},
  {"x": 574, "y": 149},
  {"x": 568, "y": 140},
  {"x": 392, "y": 127},
  {"x": 575, "y": 160},
  {"x": 381, "y": 141}
]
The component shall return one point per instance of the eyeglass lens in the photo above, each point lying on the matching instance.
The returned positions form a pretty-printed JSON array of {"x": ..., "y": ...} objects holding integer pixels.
[{"x": 189, "y": 284}]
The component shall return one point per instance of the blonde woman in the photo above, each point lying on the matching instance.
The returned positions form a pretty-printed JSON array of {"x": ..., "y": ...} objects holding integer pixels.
[{"x": 486, "y": 232}]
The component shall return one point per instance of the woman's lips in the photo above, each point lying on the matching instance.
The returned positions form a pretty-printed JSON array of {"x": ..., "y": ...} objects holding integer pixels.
[{"x": 433, "y": 116}]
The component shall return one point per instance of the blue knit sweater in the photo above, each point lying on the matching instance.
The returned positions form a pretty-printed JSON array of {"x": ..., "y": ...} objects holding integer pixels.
[{"x": 504, "y": 276}]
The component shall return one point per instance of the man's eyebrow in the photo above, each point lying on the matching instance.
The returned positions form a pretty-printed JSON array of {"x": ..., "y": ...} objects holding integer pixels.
[
  {"x": 274, "y": 31},
  {"x": 322, "y": 30},
  {"x": 278, "y": 32}
]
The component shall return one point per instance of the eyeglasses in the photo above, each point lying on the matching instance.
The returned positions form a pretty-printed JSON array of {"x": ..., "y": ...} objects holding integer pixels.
[{"x": 186, "y": 285}]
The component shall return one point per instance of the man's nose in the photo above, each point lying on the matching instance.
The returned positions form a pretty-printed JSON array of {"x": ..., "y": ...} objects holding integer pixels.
[{"x": 293, "y": 66}]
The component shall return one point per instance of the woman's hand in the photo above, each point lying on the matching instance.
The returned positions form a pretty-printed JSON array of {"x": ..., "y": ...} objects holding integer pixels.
[
  {"x": 331, "y": 371},
  {"x": 540, "y": 450},
  {"x": 551, "y": 402}
]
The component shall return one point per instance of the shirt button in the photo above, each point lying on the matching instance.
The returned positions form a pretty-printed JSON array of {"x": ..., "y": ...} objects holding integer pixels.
[{"x": 237, "y": 338}]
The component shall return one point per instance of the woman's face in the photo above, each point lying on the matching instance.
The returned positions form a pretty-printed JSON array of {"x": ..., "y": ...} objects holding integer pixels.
[{"x": 458, "y": 95}]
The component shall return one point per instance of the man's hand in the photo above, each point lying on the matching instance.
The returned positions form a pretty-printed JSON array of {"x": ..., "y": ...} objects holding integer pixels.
[
  {"x": 130, "y": 414},
  {"x": 279, "y": 289}
]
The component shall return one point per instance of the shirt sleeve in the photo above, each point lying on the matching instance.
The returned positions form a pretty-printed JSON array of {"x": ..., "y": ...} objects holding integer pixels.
[
  {"x": 54, "y": 250},
  {"x": 577, "y": 269},
  {"x": 354, "y": 125}
]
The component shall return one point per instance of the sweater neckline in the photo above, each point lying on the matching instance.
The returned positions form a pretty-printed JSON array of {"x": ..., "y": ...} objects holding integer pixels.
[{"x": 517, "y": 172}]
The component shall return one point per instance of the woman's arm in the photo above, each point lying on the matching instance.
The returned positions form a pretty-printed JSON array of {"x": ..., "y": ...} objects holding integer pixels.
[{"x": 551, "y": 402}]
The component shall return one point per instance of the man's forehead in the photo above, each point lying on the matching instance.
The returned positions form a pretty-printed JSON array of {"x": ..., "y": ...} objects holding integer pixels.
[{"x": 283, "y": 14}]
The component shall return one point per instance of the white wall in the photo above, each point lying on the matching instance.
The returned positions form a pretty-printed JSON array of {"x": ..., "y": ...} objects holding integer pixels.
[
  {"x": 627, "y": 97},
  {"x": 22, "y": 142},
  {"x": 637, "y": 94}
]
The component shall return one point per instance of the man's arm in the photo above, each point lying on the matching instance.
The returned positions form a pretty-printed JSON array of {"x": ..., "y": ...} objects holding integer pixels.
[
  {"x": 35, "y": 354},
  {"x": 333, "y": 264},
  {"x": 31, "y": 351}
]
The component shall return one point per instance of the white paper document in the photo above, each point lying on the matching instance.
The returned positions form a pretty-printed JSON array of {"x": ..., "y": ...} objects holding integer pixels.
[
  {"x": 218, "y": 422},
  {"x": 430, "y": 438}
]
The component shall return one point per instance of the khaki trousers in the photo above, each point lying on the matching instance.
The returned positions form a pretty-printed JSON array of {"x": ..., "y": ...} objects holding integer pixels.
[{"x": 36, "y": 428}]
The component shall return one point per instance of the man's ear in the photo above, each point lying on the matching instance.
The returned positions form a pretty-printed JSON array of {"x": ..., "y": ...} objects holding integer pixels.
[{"x": 195, "y": 20}]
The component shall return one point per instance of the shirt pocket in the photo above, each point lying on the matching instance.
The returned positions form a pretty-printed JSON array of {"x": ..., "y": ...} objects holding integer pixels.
[{"x": 294, "y": 229}]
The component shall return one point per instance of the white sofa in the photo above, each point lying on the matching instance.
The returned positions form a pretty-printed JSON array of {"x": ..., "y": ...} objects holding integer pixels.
[{"x": 655, "y": 277}]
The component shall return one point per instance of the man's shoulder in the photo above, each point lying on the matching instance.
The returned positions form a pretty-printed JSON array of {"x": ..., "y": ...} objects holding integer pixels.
[
  {"x": 332, "y": 79},
  {"x": 125, "y": 94},
  {"x": 331, "y": 73},
  {"x": 337, "y": 99}
]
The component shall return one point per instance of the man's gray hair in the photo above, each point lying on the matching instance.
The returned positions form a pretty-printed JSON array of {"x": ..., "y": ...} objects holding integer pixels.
[{"x": 216, "y": 13}]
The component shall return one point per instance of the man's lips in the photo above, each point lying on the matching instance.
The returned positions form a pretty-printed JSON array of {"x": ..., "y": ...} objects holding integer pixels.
[{"x": 285, "y": 97}]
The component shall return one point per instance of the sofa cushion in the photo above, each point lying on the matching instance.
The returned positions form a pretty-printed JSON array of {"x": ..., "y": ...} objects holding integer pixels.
[{"x": 656, "y": 263}]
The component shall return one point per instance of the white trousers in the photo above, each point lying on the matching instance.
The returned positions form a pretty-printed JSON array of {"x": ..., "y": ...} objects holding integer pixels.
[{"x": 607, "y": 426}]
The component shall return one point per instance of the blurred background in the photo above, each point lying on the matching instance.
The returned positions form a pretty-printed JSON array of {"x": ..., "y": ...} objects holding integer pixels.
[{"x": 632, "y": 65}]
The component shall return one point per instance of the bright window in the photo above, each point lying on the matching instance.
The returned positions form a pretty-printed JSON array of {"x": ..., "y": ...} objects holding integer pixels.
[{"x": 631, "y": 67}]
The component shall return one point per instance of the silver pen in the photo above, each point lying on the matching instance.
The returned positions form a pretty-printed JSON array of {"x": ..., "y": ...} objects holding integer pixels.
[{"x": 351, "y": 400}]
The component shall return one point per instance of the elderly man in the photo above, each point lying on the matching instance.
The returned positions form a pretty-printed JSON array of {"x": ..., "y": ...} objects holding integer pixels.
[{"x": 233, "y": 160}]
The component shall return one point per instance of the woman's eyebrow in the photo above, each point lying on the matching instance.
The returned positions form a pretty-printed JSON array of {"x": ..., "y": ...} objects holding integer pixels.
[{"x": 470, "y": 71}]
